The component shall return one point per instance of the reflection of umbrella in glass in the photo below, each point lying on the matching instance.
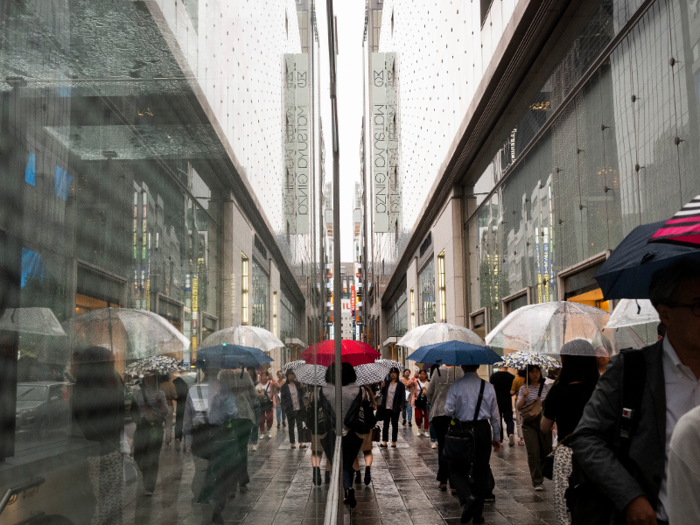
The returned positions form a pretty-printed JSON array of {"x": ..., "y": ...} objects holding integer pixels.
[
  {"x": 632, "y": 312},
  {"x": 429, "y": 334},
  {"x": 370, "y": 373},
  {"x": 310, "y": 374},
  {"x": 292, "y": 365},
  {"x": 683, "y": 228},
  {"x": 146, "y": 333},
  {"x": 455, "y": 353},
  {"x": 353, "y": 352},
  {"x": 544, "y": 328},
  {"x": 159, "y": 364},
  {"x": 231, "y": 356},
  {"x": 39, "y": 321},
  {"x": 252, "y": 336},
  {"x": 389, "y": 364}
]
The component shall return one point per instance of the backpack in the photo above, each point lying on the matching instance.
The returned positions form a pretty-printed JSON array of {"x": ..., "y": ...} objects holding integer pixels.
[
  {"x": 583, "y": 498},
  {"x": 360, "y": 418}
]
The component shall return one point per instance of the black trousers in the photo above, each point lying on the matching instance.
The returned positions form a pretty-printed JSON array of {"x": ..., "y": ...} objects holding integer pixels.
[
  {"x": 351, "y": 447},
  {"x": 295, "y": 417},
  {"x": 392, "y": 417},
  {"x": 241, "y": 429},
  {"x": 507, "y": 416},
  {"x": 480, "y": 469},
  {"x": 147, "y": 456},
  {"x": 441, "y": 424}
]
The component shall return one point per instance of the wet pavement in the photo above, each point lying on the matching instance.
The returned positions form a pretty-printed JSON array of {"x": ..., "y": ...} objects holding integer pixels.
[{"x": 403, "y": 490}]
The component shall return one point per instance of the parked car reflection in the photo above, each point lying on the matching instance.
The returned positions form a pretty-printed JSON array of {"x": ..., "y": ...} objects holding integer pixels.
[{"x": 42, "y": 407}]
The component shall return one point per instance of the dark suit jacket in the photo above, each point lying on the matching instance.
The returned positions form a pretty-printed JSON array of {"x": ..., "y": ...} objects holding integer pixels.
[
  {"x": 286, "y": 398},
  {"x": 595, "y": 440},
  {"x": 399, "y": 397}
]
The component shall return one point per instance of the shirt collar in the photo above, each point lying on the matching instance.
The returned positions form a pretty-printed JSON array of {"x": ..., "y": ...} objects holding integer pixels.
[{"x": 671, "y": 358}]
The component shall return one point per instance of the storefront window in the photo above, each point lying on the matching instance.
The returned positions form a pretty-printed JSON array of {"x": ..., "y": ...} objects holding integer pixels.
[
  {"x": 261, "y": 291},
  {"x": 426, "y": 283}
]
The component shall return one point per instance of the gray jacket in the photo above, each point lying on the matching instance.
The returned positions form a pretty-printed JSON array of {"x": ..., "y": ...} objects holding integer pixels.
[
  {"x": 438, "y": 387},
  {"x": 596, "y": 437}
]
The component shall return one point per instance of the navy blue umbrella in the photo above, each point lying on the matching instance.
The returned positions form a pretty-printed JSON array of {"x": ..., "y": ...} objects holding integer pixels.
[
  {"x": 628, "y": 271},
  {"x": 231, "y": 356},
  {"x": 455, "y": 353}
]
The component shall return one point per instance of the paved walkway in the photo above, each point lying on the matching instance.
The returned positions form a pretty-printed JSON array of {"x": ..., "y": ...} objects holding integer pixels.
[{"x": 403, "y": 490}]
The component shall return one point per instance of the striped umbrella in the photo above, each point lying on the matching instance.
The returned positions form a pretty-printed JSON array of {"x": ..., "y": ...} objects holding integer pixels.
[{"x": 683, "y": 228}]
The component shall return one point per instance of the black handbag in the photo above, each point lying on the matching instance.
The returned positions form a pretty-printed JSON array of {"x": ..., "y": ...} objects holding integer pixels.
[
  {"x": 548, "y": 461},
  {"x": 459, "y": 440},
  {"x": 421, "y": 401},
  {"x": 360, "y": 418},
  {"x": 266, "y": 404}
]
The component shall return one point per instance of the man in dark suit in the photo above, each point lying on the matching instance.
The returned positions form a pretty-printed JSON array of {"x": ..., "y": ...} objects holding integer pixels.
[{"x": 637, "y": 488}]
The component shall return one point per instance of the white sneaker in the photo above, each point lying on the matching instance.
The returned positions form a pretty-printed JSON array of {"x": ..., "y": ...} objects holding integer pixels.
[
  {"x": 433, "y": 444},
  {"x": 269, "y": 435},
  {"x": 253, "y": 448},
  {"x": 539, "y": 488}
]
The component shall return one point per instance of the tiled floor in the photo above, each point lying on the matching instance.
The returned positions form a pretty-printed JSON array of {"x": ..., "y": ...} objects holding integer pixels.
[{"x": 403, "y": 490}]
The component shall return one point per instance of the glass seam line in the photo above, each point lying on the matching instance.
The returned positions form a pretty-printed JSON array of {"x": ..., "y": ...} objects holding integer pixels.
[{"x": 614, "y": 43}]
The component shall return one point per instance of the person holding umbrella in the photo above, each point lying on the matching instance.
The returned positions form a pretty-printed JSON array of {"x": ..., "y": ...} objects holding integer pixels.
[
  {"x": 393, "y": 402},
  {"x": 292, "y": 404},
  {"x": 148, "y": 438},
  {"x": 529, "y": 402}
]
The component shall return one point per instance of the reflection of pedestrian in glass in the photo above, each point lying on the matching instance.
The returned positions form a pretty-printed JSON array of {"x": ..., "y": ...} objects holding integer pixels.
[
  {"x": 244, "y": 391},
  {"x": 292, "y": 403},
  {"x": 276, "y": 386},
  {"x": 265, "y": 395},
  {"x": 254, "y": 434},
  {"x": 170, "y": 396},
  {"x": 221, "y": 473},
  {"x": 148, "y": 438},
  {"x": 181, "y": 389},
  {"x": 98, "y": 409}
]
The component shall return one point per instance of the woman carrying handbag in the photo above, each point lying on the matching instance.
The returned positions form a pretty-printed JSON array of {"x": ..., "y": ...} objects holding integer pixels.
[
  {"x": 393, "y": 403},
  {"x": 366, "y": 447}
]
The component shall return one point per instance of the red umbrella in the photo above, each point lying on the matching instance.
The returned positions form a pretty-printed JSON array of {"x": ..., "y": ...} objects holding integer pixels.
[
  {"x": 683, "y": 227},
  {"x": 353, "y": 352}
]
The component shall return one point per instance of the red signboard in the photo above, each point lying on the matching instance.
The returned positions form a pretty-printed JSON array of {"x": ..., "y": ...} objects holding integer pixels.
[{"x": 352, "y": 298}]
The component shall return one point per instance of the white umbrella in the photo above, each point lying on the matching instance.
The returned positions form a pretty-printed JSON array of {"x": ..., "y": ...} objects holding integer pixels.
[
  {"x": 147, "y": 333},
  {"x": 632, "y": 312},
  {"x": 429, "y": 334},
  {"x": 252, "y": 336},
  {"x": 545, "y": 327},
  {"x": 39, "y": 321}
]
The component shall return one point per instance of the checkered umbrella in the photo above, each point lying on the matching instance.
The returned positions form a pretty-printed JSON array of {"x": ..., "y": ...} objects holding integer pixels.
[
  {"x": 292, "y": 365},
  {"x": 159, "y": 364}
]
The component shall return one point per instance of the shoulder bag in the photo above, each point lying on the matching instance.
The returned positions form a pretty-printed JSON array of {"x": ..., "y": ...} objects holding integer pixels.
[
  {"x": 266, "y": 404},
  {"x": 548, "y": 462},
  {"x": 421, "y": 399},
  {"x": 533, "y": 410},
  {"x": 459, "y": 441},
  {"x": 360, "y": 418}
]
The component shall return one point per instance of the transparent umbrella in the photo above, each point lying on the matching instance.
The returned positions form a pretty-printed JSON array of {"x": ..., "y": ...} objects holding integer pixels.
[
  {"x": 40, "y": 321},
  {"x": 633, "y": 312},
  {"x": 544, "y": 328},
  {"x": 252, "y": 336},
  {"x": 429, "y": 334},
  {"x": 142, "y": 333}
]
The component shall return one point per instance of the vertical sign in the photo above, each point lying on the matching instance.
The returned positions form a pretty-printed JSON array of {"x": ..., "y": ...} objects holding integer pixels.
[
  {"x": 393, "y": 189},
  {"x": 352, "y": 298},
  {"x": 302, "y": 122},
  {"x": 380, "y": 162},
  {"x": 289, "y": 142}
]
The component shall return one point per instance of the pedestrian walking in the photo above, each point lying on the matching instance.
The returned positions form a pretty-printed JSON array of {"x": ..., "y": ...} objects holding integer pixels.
[
  {"x": 255, "y": 433},
  {"x": 409, "y": 385},
  {"x": 195, "y": 421},
  {"x": 292, "y": 404},
  {"x": 419, "y": 402},
  {"x": 623, "y": 439},
  {"x": 529, "y": 403},
  {"x": 471, "y": 403},
  {"x": 148, "y": 437},
  {"x": 182, "y": 390},
  {"x": 265, "y": 396},
  {"x": 222, "y": 469},
  {"x": 366, "y": 447},
  {"x": 440, "y": 383},
  {"x": 352, "y": 441},
  {"x": 319, "y": 424},
  {"x": 166, "y": 385},
  {"x": 518, "y": 382},
  {"x": 502, "y": 382},
  {"x": 393, "y": 402},
  {"x": 684, "y": 470},
  {"x": 564, "y": 406},
  {"x": 328, "y": 440},
  {"x": 98, "y": 410},
  {"x": 276, "y": 388}
]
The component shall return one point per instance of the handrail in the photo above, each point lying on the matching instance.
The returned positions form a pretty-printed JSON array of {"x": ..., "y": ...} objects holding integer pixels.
[
  {"x": 333, "y": 502},
  {"x": 18, "y": 490}
]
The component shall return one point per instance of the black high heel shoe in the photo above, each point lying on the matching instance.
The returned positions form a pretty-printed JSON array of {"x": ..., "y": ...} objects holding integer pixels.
[
  {"x": 350, "y": 498},
  {"x": 358, "y": 479},
  {"x": 368, "y": 476}
]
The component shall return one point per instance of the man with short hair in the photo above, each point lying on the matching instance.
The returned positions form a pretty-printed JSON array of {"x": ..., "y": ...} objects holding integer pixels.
[
  {"x": 636, "y": 484},
  {"x": 502, "y": 381},
  {"x": 462, "y": 406}
]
